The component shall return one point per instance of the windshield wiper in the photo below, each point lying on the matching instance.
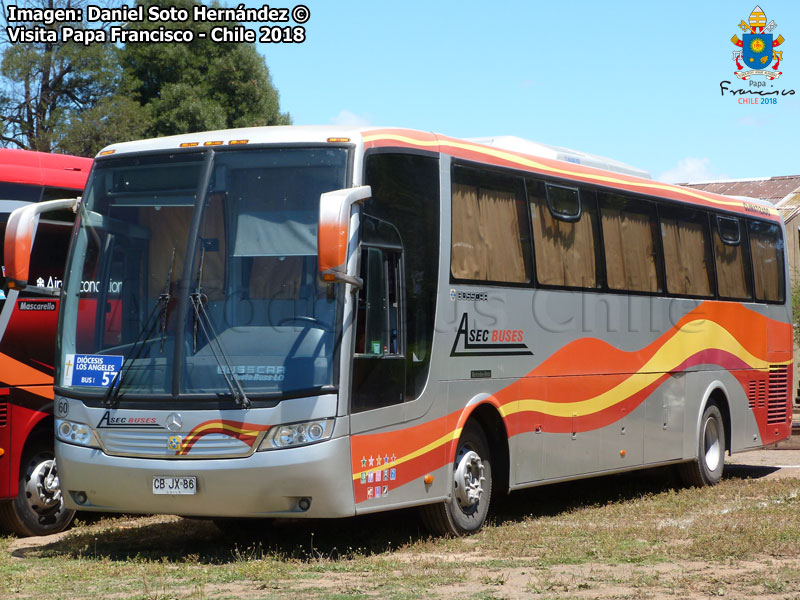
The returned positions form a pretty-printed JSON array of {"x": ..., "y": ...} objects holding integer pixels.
[
  {"x": 158, "y": 314},
  {"x": 203, "y": 319}
]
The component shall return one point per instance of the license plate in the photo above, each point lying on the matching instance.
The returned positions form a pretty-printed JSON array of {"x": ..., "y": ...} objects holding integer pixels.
[{"x": 174, "y": 485}]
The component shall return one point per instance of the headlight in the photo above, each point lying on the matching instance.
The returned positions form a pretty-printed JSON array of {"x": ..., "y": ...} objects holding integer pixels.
[
  {"x": 76, "y": 433},
  {"x": 297, "y": 434}
]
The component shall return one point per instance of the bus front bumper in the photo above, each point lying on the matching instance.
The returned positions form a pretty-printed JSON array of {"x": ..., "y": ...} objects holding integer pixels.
[{"x": 310, "y": 481}]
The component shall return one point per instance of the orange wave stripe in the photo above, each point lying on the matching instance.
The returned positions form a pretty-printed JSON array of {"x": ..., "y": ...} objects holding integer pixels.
[{"x": 594, "y": 382}]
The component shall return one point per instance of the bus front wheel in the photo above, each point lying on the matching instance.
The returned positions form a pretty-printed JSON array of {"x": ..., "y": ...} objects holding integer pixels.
[
  {"x": 471, "y": 489},
  {"x": 39, "y": 507},
  {"x": 707, "y": 469}
]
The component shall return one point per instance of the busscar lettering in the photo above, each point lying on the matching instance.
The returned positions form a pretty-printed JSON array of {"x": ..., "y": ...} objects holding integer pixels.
[{"x": 755, "y": 208}]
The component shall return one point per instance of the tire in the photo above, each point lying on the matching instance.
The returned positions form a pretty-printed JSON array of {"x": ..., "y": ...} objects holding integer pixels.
[
  {"x": 707, "y": 468},
  {"x": 470, "y": 491},
  {"x": 39, "y": 506}
]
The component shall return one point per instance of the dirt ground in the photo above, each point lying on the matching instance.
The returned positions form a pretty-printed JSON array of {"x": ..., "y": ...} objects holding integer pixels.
[{"x": 767, "y": 578}]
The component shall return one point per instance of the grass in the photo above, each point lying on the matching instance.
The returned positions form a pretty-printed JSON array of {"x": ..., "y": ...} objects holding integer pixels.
[{"x": 624, "y": 536}]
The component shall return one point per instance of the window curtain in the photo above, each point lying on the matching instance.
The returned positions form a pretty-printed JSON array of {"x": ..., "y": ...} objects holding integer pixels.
[
  {"x": 487, "y": 241},
  {"x": 767, "y": 255},
  {"x": 565, "y": 250},
  {"x": 630, "y": 250},
  {"x": 732, "y": 280},
  {"x": 687, "y": 256}
]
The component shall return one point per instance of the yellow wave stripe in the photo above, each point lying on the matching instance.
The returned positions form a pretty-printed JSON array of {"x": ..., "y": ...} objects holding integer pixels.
[
  {"x": 201, "y": 428},
  {"x": 674, "y": 352},
  {"x": 536, "y": 165},
  {"x": 445, "y": 439}
]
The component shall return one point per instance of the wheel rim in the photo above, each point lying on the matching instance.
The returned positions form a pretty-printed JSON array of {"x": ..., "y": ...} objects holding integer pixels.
[
  {"x": 468, "y": 480},
  {"x": 42, "y": 491},
  {"x": 711, "y": 444}
]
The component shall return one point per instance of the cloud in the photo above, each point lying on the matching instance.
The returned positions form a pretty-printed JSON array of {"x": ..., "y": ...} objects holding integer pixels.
[
  {"x": 750, "y": 121},
  {"x": 691, "y": 169},
  {"x": 350, "y": 119}
]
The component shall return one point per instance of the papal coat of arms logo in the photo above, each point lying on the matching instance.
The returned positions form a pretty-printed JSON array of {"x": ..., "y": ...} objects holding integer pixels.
[{"x": 757, "y": 48}]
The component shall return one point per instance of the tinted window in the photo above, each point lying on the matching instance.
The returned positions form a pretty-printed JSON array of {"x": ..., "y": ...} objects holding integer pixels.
[
  {"x": 766, "y": 248},
  {"x": 565, "y": 247},
  {"x": 405, "y": 192},
  {"x": 631, "y": 245},
  {"x": 491, "y": 239},
  {"x": 687, "y": 252},
  {"x": 731, "y": 259}
]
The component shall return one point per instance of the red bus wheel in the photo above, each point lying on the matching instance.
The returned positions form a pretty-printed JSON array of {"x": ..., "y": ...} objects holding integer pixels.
[{"x": 39, "y": 506}]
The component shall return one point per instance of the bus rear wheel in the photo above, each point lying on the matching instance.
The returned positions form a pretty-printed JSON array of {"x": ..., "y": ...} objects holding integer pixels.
[
  {"x": 707, "y": 468},
  {"x": 39, "y": 506},
  {"x": 471, "y": 490}
]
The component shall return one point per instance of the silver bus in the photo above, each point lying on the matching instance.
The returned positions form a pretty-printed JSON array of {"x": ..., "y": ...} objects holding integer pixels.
[{"x": 324, "y": 322}]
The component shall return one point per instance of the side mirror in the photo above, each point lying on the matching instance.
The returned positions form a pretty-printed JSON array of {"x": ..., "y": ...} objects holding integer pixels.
[
  {"x": 333, "y": 234},
  {"x": 18, "y": 243}
]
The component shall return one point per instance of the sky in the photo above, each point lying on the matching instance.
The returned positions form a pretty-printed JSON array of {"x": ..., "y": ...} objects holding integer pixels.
[{"x": 635, "y": 81}]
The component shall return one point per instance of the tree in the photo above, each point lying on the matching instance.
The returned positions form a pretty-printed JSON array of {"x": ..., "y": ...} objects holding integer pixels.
[
  {"x": 45, "y": 84},
  {"x": 200, "y": 85},
  {"x": 76, "y": 98},
  {"x": 112, "y": 119}
]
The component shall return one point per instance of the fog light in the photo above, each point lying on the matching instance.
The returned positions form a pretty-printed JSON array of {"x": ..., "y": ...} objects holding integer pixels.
[
  {"x": 304, "y": 504},
  {"x": 79, "y": 497}
]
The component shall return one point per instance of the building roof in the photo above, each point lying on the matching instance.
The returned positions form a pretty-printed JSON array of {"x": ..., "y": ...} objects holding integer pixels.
[
  {"x": 771, "y": 189},
  {"x": 789, "y": 207},
  {"x": 783, "y": 192}
]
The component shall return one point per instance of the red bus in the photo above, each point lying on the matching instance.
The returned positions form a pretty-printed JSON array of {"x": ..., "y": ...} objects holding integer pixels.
[{"x": 30, "y": 499}]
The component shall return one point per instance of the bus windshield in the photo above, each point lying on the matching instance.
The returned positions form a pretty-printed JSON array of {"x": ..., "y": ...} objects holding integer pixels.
[{"x": 194, "y": 275}]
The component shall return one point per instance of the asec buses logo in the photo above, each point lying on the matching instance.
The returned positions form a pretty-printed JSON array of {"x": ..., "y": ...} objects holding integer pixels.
[{"x": 757, "y": 48}]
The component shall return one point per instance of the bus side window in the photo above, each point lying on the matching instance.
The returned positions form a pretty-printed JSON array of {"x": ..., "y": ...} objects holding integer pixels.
[
  {"x": 565, "y": 235},
  {"x": 687, "y": 252},
  {"x": 732, "y": 258},
  {"x": 631, "y": 245},
  {"x": 766, "y": 249},
  {"x": 490, "y": 235}
]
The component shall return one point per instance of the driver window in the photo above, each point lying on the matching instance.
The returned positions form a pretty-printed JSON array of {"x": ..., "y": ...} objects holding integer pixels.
[{"x": 378, "y": 320}]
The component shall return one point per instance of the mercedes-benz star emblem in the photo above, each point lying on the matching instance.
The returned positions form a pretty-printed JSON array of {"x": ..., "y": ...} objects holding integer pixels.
[{"x": 173, "y": 422}]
